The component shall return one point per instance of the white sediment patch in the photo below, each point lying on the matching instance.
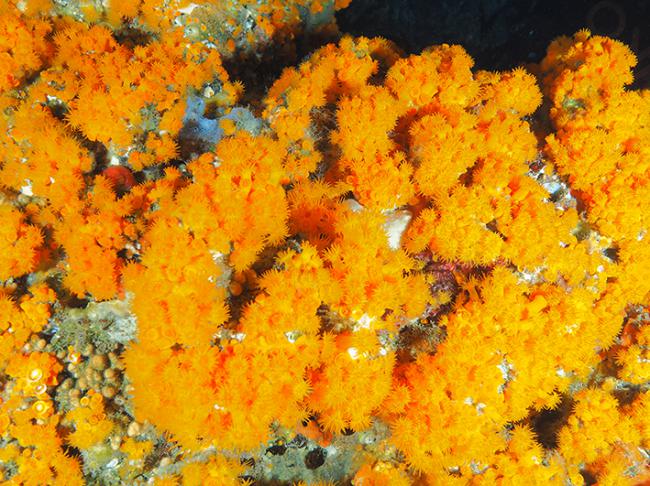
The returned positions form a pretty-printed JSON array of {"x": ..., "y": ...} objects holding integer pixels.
[{"x": 396, "y": 223}]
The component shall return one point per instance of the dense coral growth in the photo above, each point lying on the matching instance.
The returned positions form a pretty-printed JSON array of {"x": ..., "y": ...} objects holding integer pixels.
[{"x": 394, "y": 269}]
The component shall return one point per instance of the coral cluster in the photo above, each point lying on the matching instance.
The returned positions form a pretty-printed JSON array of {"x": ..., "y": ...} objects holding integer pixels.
[{"x": 385, "y": 269}]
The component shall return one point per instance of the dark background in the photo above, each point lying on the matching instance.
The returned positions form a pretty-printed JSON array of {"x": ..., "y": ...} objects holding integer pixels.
[{"x": 501, "y": 34}]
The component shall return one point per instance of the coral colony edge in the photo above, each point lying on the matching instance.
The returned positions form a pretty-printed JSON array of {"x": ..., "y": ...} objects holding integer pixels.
[{"x": 369, "y": 268}]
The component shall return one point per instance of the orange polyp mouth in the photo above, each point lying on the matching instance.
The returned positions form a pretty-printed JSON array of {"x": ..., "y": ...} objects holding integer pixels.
[{"x": 121, "y": 177}]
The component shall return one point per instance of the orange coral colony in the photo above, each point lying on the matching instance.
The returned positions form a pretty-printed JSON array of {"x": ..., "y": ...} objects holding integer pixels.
[{"x": 382, "y": 269}]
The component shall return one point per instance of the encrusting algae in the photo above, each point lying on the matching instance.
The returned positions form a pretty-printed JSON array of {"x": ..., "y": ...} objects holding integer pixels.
[{"x": 381, "y": 270}]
